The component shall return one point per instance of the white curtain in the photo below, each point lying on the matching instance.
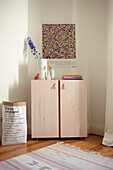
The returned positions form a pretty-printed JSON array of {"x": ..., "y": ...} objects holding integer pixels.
[{"x": 108, "y": 136}]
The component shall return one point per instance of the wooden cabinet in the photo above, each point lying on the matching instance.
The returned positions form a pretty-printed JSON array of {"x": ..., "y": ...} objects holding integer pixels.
[{"x": 58, "y": 108}]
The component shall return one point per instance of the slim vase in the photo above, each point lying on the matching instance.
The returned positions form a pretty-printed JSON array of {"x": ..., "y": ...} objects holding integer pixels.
[{"x": 43, "y": 69}]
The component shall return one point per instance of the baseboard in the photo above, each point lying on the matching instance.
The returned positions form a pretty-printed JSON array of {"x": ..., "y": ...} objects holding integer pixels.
[
  {"x": 97, "y": 130},
  {"x": 0, "y": 128},
  {"x": 88, "y": 129}
]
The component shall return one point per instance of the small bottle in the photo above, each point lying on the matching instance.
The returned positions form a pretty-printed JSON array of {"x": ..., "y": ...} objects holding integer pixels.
[
  {"x": 52, "y": 73},
  {"x": 48, "y": 78},
  {"x": 48, "y": 75}
]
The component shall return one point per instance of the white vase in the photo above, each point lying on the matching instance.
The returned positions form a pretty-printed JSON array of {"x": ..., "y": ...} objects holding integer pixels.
[{"x": 43, "y": 69}]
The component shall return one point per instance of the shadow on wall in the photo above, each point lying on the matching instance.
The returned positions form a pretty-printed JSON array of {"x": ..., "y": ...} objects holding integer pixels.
[{"x": 19, "y": 91}]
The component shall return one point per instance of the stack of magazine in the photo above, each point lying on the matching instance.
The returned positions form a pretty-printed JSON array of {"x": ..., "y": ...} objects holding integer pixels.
[{"x": 72, "y": 77}]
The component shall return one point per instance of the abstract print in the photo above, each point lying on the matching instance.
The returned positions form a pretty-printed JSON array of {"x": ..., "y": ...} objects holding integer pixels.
[{"x": 59, "y": 41}]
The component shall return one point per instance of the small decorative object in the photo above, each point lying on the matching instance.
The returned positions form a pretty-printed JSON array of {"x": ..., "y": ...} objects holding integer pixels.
[
  {"x": 52, "y": 73},
  {"x": 33, "y": 48},
  {"x": 43, "y": 69},
  {"x": 48, "y": 73},
  {"x": 37, "y": 77},
  {"x": 48, "y": 78},
  {"x": 49, "y": 66}
]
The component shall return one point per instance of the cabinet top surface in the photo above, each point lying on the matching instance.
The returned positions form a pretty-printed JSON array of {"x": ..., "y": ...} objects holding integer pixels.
[{"x": 60, "y": 80}]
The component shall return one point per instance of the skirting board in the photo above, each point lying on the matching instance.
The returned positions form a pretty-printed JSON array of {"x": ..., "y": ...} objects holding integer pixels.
[
  {"x": 94, "y": 129},
  {"x": 88, "y": 129},
  {"x": 0, "y": 129}
]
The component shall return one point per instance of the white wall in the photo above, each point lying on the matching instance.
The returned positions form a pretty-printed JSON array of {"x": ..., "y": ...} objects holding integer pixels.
[
  {"x": 93, "y": 52},
  {"x": 97, "y": 52},
  {"x": 13, "y": 59}
]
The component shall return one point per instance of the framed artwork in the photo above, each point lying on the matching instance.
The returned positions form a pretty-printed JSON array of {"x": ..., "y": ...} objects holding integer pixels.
[{"x": 59, "y": 41}]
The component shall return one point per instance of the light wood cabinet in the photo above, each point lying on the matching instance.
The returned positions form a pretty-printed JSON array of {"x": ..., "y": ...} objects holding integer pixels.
[{"x": 58, "y": 108}]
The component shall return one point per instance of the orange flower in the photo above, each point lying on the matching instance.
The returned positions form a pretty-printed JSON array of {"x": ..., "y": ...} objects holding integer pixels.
[{"x": 49, "y": 66}]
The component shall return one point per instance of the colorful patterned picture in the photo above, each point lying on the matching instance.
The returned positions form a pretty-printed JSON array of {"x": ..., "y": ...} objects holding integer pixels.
[{"x": 59, "y": 41}]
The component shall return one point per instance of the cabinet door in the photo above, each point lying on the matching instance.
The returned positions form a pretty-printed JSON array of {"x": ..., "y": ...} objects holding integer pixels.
[
  {"x": 73, "y": 108},
  {"x": 44, "y": 108}
]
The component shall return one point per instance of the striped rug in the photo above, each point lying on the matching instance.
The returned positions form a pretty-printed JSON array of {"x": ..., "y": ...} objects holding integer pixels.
[{"x": 58, "y": 156}]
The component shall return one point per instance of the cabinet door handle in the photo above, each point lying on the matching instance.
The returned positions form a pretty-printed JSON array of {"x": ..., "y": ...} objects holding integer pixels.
[
  {"x": 63, "y": 86},
  {"x": 54, "y": 86}
]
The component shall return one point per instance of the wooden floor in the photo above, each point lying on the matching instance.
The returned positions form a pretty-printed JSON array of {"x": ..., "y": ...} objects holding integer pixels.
[{"x": 91, "y": 143}]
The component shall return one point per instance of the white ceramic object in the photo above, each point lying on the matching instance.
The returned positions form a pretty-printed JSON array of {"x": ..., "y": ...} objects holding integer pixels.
[
  {"x": 48, "y": 75},
  {"x": 52, "y": 73},
  {"x": 43, "y": 69},
  {"x": 48, "y": 78}
]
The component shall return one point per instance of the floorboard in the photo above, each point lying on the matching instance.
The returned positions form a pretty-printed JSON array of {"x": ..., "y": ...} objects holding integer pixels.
[{"x": 91, "y": 143}]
